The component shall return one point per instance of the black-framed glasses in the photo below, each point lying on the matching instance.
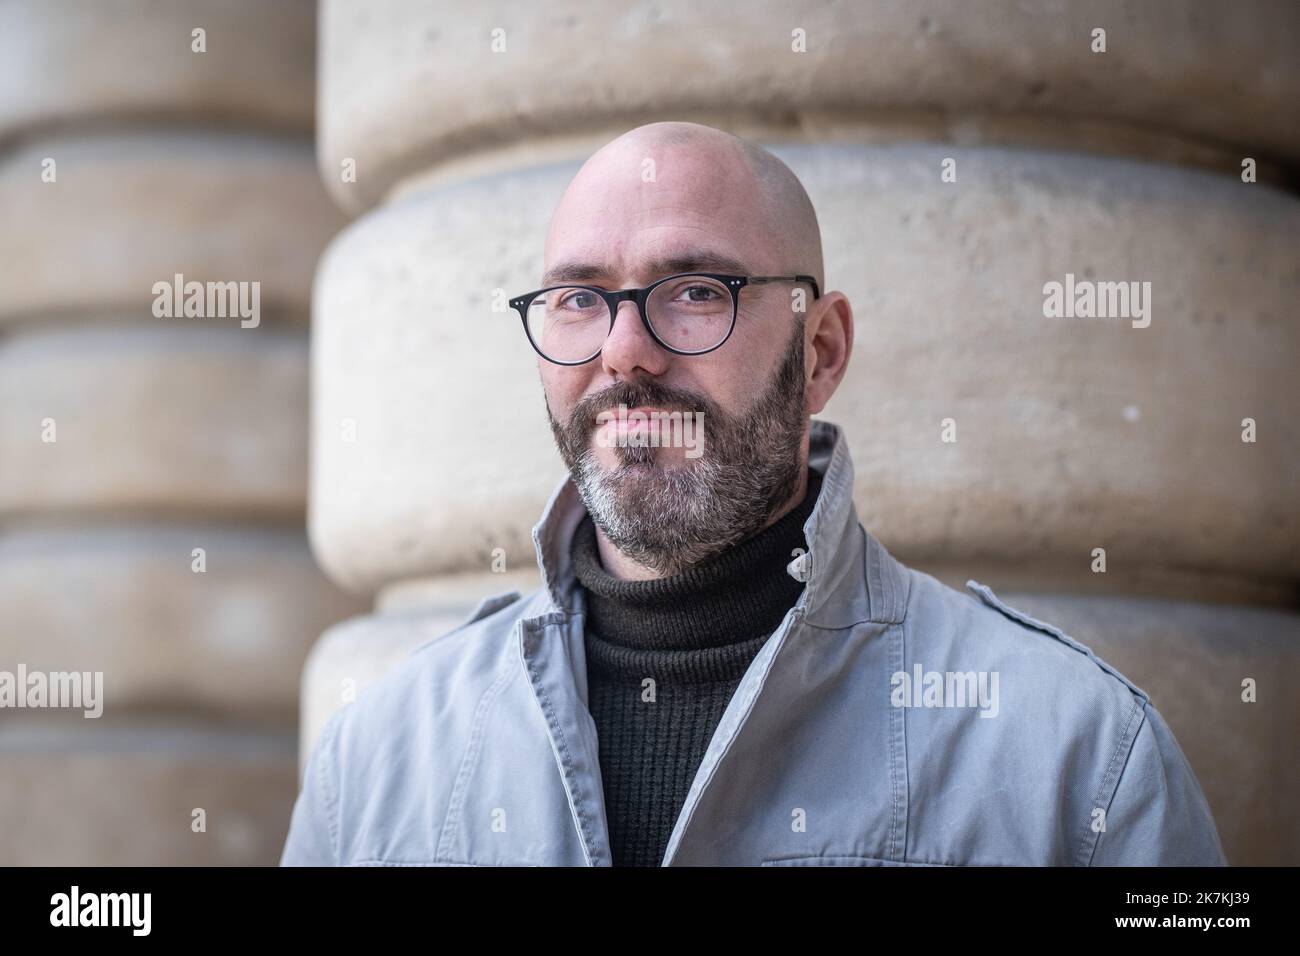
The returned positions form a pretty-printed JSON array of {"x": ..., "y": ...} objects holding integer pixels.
[{"x": 688, "y": 314}]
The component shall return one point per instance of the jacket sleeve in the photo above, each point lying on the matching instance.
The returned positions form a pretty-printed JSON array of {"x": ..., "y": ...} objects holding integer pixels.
[
  {"x": 1158, "y": 815},
  {"x": 313, "y": 827}
]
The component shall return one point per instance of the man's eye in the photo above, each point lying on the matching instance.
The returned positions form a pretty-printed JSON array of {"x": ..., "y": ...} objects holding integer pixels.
[{"x": 578, "y": 300}]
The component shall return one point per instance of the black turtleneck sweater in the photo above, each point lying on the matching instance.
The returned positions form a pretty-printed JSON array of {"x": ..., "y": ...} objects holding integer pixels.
[{"x": 694, "y": 634}]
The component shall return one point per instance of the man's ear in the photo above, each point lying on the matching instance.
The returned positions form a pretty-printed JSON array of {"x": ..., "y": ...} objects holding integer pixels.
[{"x": 828, "y": 343}]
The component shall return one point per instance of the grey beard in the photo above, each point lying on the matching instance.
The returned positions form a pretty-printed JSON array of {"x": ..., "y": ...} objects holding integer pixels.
[{"x": 671, "y": 518}]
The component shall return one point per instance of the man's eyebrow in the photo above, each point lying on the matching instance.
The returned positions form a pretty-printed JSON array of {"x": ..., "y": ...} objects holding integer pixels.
[{"x": 695, "y": 261}]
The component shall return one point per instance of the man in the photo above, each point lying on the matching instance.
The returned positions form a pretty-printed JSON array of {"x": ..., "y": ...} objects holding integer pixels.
[{"x": 723, "y": 666}]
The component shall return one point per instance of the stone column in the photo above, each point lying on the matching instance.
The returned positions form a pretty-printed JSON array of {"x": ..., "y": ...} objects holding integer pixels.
[{"x": 154, "y": 468}]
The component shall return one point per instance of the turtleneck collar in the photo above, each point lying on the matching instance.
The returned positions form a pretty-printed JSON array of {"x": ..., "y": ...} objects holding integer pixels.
[{"x": 735, "y": 597}]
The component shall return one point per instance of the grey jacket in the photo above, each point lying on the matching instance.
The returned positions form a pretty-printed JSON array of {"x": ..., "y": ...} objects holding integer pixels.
[{"x": 889, "y": 721}]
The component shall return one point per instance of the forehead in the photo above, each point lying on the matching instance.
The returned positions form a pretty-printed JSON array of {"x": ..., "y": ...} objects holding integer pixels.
[{"x": 635, "y": 214}]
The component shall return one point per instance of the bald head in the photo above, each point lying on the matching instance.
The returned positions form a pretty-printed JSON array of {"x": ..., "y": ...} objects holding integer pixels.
[{"x": 749, "y": 196}]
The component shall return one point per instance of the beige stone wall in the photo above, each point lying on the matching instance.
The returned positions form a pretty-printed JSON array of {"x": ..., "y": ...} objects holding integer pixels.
[
  {"x": 1123, "y": 165},
  {"x": 170, "y": 434}
]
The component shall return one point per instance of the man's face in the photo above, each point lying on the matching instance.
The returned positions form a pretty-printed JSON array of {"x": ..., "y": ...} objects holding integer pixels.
[{"x": 669, "y": 507}]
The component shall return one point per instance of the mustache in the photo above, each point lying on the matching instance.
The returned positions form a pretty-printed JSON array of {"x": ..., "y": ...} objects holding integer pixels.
[{"x": 633, "y": 394}]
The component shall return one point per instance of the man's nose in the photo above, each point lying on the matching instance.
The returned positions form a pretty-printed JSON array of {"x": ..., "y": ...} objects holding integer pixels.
[{"x": 629, "y": 350}]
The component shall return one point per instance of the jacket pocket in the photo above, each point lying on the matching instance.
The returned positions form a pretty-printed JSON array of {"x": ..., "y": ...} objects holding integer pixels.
[
  {"x": 840, "y": 861},
  {"x": 395, "y": 863}
]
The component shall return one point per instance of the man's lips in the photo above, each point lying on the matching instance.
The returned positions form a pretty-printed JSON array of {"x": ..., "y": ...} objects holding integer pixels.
[{"x": 613, "y": 414}]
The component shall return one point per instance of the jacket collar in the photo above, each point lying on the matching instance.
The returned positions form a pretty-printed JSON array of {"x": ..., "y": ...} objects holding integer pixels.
[{"x": 837, "y": 545}]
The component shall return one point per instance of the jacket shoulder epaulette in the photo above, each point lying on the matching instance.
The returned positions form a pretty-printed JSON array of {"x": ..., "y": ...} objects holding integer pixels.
[
  {"x": 485, "y": 608},
  {"x": 490, "y": 605},
  {"x": 985, "y": 594}
]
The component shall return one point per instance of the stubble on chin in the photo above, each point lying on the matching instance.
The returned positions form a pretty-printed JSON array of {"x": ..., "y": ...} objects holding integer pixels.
[{"x": 656, "y": 514}]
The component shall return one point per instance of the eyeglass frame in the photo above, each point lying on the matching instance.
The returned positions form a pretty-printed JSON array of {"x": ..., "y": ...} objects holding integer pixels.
[{"x": 613, "y": 298}]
